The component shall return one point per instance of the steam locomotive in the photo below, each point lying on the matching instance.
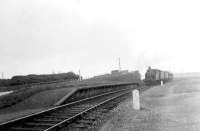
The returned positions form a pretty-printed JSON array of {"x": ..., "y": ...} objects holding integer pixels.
[{"x": 155, "y": 76}]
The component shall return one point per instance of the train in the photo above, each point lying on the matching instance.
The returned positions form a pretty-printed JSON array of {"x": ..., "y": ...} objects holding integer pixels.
[{"x": 155, "y": 76}]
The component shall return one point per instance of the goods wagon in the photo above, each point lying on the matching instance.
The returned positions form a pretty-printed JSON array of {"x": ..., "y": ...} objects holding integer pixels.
[
  {"x": 155, "y": 76},
  {"x": 162, "y": 75},
  {"x": 166, "y": 75}
]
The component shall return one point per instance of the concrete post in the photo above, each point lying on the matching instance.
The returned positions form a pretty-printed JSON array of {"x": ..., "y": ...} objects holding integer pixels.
[
  {"x": 161, "y": 83},
  {"x": 136, "y": 99}
]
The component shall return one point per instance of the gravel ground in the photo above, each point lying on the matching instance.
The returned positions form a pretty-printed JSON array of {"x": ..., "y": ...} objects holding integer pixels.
[{"x": 173, "y": 107}]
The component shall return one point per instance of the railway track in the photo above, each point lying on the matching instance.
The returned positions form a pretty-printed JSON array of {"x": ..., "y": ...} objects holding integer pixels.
[
  {"x": 71, "y": 116},
  {"x": 94, "y": 118}
]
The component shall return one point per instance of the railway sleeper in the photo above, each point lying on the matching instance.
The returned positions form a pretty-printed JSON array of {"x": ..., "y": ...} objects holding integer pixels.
[
  {"x": 93, "y": 122},
  {"x": 39, "y": 124},
  {"x": 63, "y": 114},
  {"x": 55, "y": 117},
  {"x": 89, "y": 118},
  {"x": 27, "y": 129},
  {"x": 91, "y": 115},
  {"x": 47, "y": 120},
  {"x": 81, "y": 107},
  {"x": 62, "y": 111},
  {"x": 84, "y": 121},
  {"x": 80, "y": 125},
  {"x": 101, "y": 111},
  {"x": 78, "y": 109},
  {"x": 96, "y": 112}
]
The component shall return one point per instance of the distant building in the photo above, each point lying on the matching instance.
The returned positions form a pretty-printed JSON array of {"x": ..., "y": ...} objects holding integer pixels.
[
  {"x": 124, "y": 72},
  {"x": 119, "y": 72},
  {"x": 115, "y": 72},
  {"x": 100, "y": 76}
]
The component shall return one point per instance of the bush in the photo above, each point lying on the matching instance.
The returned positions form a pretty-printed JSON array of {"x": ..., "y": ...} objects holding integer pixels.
[
  {"x": 30, "y": 79},
  {"x": 18, "y": 80},
  {"x": 4, "y": 82}
]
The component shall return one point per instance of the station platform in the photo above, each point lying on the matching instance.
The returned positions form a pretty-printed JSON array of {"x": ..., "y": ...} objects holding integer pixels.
[
  {"x": 33, "y": 104},
  {"x": 174, "y": 106}
]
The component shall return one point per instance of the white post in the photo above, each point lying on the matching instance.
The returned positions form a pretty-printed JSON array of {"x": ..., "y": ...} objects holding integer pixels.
[
  {"x": 161, "y": 83},
  {"x": 136, "y": 99}
]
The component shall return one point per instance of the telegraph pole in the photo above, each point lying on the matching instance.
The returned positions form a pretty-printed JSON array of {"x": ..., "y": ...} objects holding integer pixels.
[
  {"x": 79, "y": 73},
  {"x": 119, "y": 64}
]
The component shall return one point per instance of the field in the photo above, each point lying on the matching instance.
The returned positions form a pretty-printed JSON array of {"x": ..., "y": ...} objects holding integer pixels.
[{"x": 172, "y": 107}]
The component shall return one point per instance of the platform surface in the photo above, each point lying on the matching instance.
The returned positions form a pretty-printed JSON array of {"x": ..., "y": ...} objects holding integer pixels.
[
  {"x": 172, "y": 107},
  {"x": 36, "y": 103}
]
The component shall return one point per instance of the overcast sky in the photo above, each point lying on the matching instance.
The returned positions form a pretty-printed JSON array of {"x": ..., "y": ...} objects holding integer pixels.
[{"x": 42, "y": 36}]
